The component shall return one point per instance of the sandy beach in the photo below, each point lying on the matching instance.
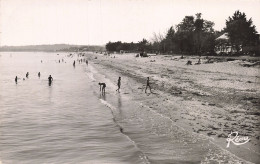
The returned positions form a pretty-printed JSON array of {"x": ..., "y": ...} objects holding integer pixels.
[{"x": 211, "y": 99}]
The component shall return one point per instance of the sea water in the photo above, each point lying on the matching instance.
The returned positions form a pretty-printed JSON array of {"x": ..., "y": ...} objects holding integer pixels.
[{"x": 62, "y": 123}]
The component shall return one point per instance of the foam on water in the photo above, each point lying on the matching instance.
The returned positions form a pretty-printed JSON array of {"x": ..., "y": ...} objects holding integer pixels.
[
  {"x": 112, "y": 108},
  {"x": 91, "y": 72}
]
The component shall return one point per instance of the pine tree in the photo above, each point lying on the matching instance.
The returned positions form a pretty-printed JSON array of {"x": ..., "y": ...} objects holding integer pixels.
[{"x": 241, "y": 31}]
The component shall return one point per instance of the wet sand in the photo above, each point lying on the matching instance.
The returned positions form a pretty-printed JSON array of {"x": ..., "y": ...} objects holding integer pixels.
[{"x": 211, "y": 99}]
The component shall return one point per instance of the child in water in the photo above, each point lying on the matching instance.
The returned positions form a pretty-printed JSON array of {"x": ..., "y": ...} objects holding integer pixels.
[
  {"x": 16, "y": 79},
  {"x": 102, "y": 87},
  {"x": 27, "y": 74},
  {"x": 50, "y": 79}
]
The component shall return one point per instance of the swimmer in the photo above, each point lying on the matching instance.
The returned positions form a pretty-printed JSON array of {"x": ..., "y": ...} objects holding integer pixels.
[
  {"x": 27, "y": 74},
  {"x": 16, "y": 79},
  {"x": 50, "y": 80}
]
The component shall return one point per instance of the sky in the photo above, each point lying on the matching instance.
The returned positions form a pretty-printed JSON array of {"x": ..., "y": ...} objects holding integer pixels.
[{"x": 96, "y": 22}]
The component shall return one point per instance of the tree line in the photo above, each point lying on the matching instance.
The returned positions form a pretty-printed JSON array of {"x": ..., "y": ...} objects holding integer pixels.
[{"x": 194, "y": 35}]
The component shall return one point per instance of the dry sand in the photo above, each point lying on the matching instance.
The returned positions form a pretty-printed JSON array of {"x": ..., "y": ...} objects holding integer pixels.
[{"x": 212, "y": 98}]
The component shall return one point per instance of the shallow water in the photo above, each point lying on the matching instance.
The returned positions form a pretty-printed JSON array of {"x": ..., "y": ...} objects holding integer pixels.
[
  {"x": 70, "y": 122},
  {"x": 61, "y": 123}
]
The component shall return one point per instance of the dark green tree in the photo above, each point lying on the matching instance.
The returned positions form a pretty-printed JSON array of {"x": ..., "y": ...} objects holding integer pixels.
[
  {"x": 198, "y": 32},
  {"x": 168, "y": 42},
  {"x": 241, "y": 31},
  {"x": 203, "y": 35},
  {"x": 142, "y": 45},
  {"x": 184, "y": 35},
  {"x": 157, "y": 42}
]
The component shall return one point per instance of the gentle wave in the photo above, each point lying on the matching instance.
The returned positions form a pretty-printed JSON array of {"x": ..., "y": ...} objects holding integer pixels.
[{"x": 112, "y": 108}]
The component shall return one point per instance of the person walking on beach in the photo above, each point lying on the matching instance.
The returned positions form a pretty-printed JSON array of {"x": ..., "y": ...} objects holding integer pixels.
[
  {"x": 118, "y": 84},
  {"x": 50, "y": 80},
  {"x": 74, "y": 63},
  {"x": 102, "y": 87},
  {"x": 87, "y": 62},
  {"x": 16, "y": 79},
  {"x": 27, "y": 74},
  {"x": 148, "y": 85},
  {"x": 39, "y": 74}
]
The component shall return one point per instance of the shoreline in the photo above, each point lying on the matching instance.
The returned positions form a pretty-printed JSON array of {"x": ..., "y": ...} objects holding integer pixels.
[{"x": 191, "y": 108}]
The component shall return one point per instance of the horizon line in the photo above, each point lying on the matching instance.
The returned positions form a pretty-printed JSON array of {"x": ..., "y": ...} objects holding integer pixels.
[{"x": 50, "y": 45}]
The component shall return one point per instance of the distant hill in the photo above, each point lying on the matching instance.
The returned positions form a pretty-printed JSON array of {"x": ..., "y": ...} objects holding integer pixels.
[{"x": 54, "y": 47}]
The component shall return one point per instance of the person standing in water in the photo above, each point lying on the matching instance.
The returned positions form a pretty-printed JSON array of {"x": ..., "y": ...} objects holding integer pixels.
[
  {"x": 118, "y": 84},
  {"x": 50, "y": 80},
  {"x": 27, "y": 74},
  {"x": 87, "y": 62},
  {"x": 16, "y": 79},
  {"x": 39, "y": 74},
  {"x": 148, "y": 85},
  {"x": 102, "y": 87}
]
